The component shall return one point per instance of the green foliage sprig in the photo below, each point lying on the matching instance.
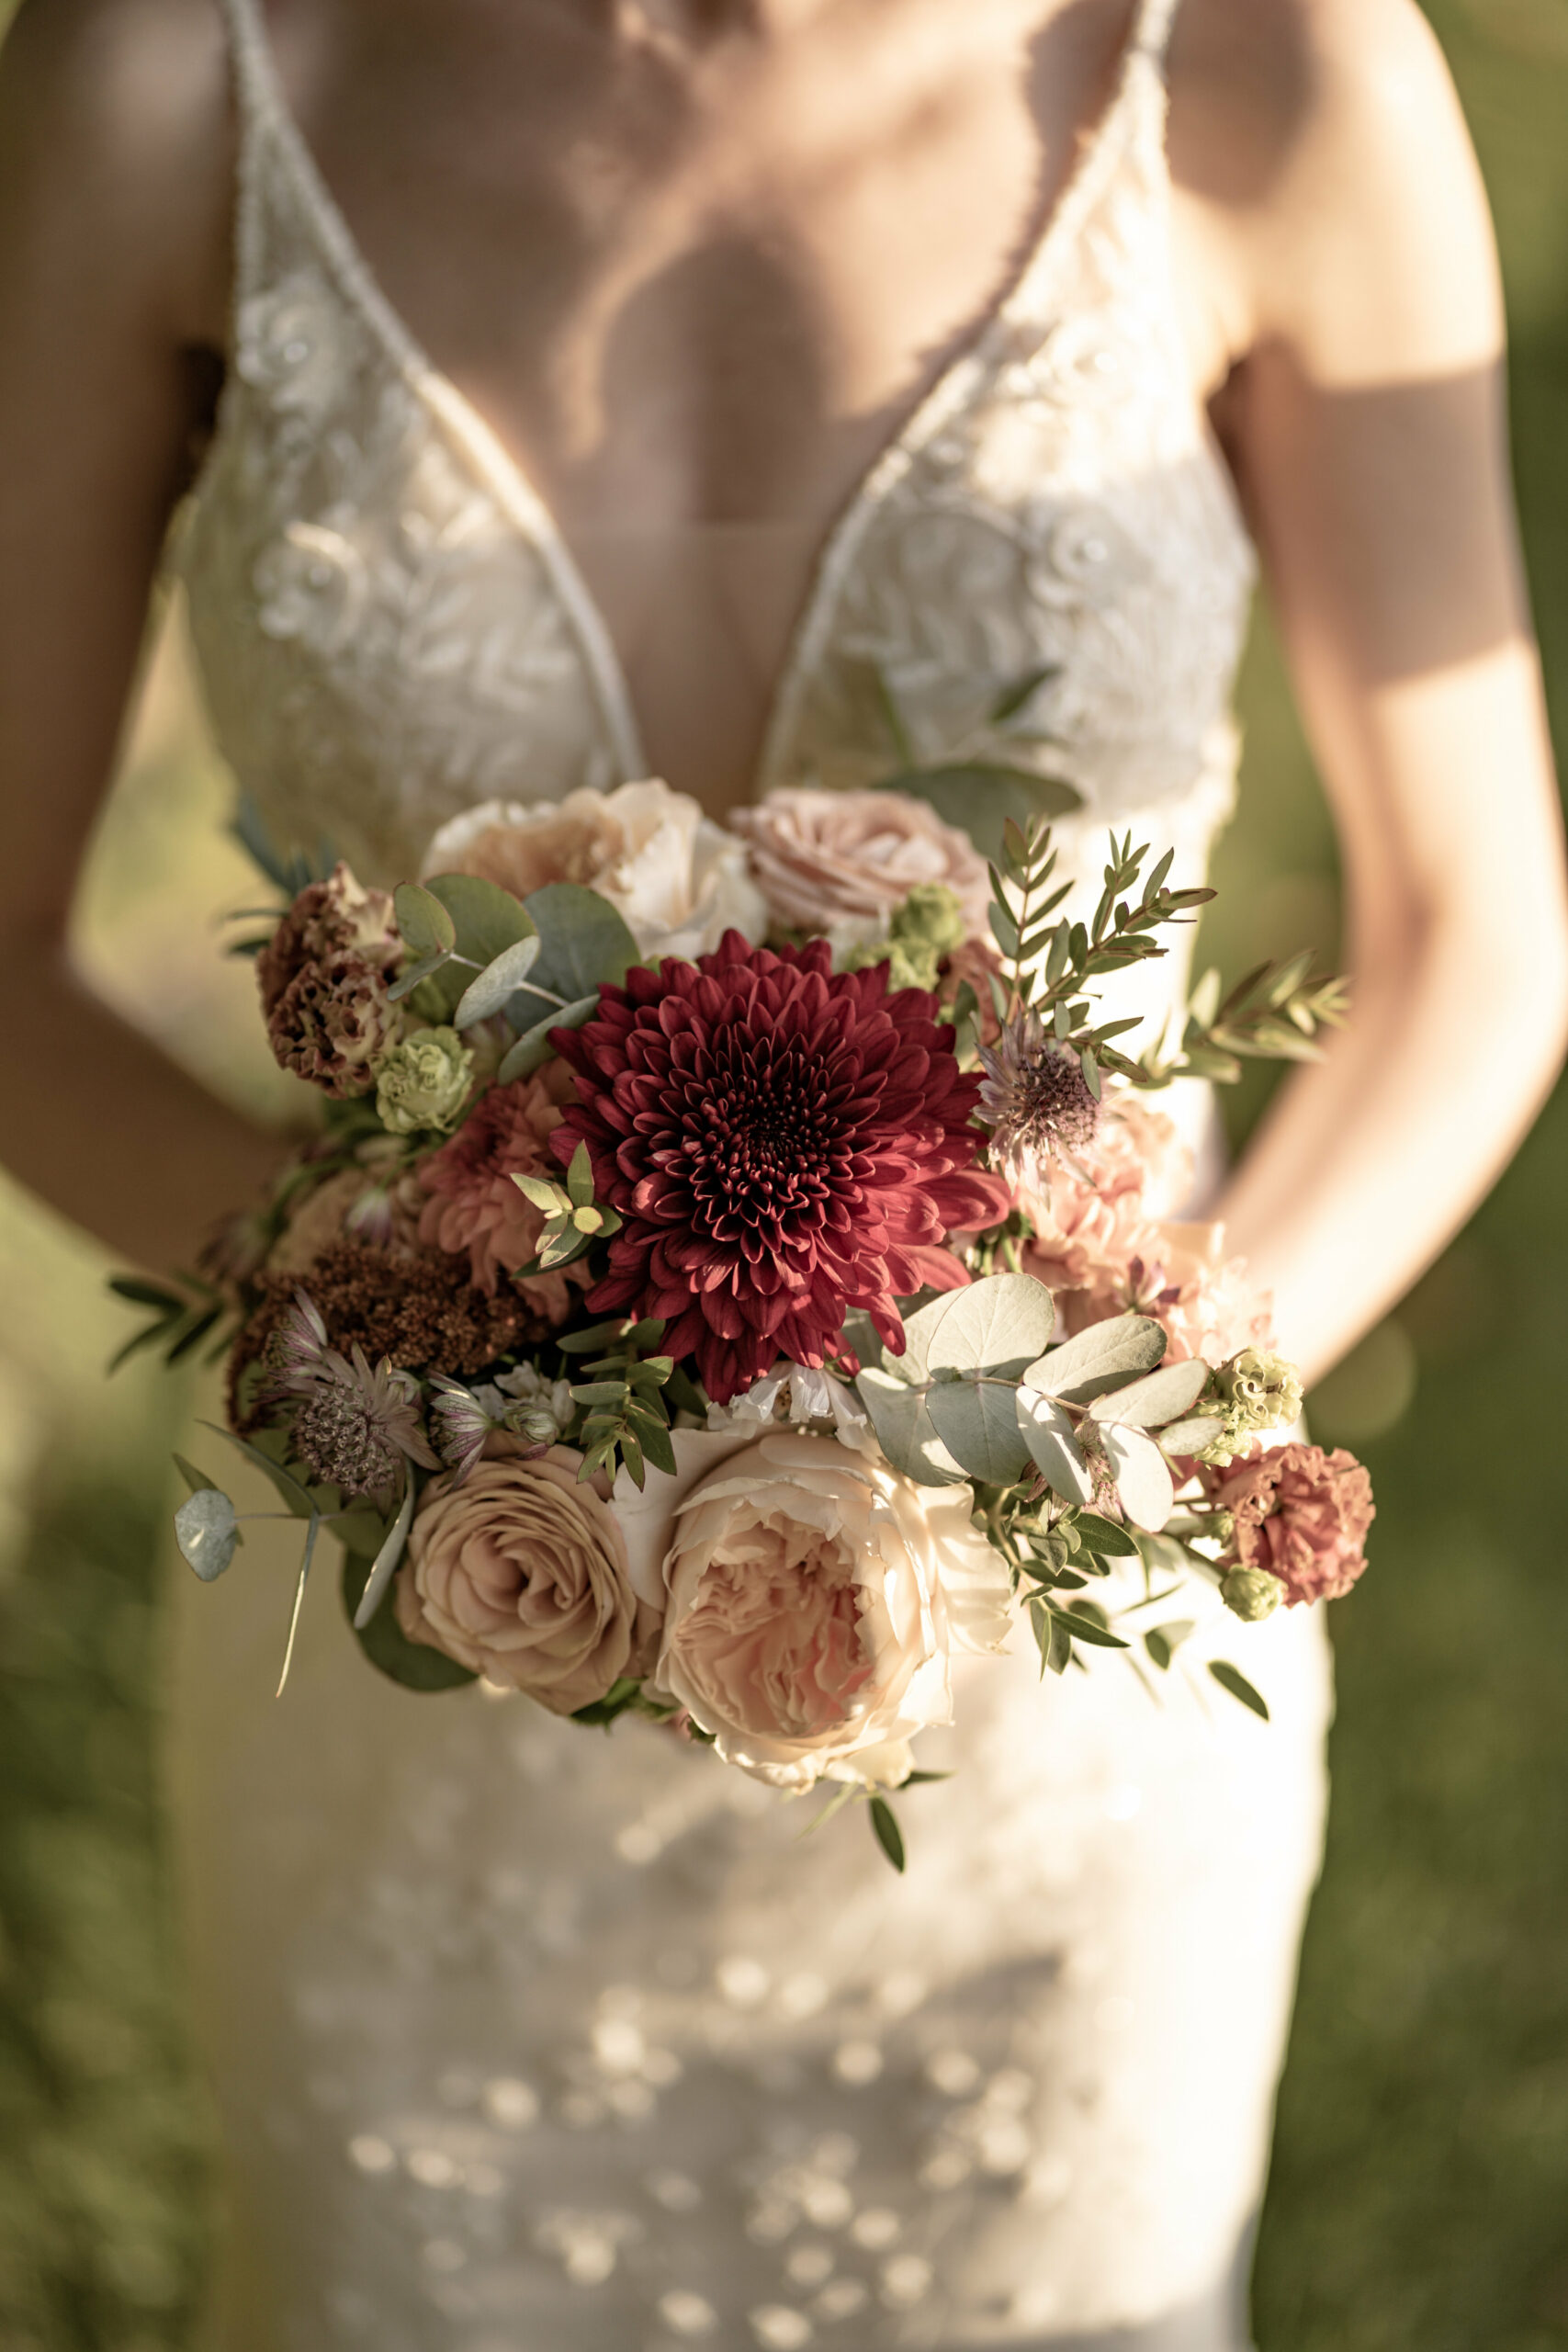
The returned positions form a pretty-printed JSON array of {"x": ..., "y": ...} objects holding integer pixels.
[{"x": 625, "y": 1401}]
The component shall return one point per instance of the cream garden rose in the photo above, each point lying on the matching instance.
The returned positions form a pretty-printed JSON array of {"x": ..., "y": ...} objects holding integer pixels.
[
  {"x": 521, "y": 1574},
  {"x": 813, "y": 1600},
  {"x": 678, "y": 880}
]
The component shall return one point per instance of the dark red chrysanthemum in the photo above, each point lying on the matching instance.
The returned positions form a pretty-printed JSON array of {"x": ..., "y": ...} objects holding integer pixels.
[{"x": 782, "y": 1144}]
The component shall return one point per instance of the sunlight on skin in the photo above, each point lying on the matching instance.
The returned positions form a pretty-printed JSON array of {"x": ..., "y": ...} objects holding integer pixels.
[{"x": 684, "y": 175}]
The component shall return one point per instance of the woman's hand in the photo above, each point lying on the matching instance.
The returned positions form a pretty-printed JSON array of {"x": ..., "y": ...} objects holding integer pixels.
[
  {"x": 115, "y": 177},
  {"x": 1365, "y": 420}
]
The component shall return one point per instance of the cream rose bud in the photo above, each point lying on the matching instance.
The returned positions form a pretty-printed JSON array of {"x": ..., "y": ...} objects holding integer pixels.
[
  {"x": 678, "y": 880},
  {"x": 520, "y": 1573},
  {"x": 814, "y": 1599}
]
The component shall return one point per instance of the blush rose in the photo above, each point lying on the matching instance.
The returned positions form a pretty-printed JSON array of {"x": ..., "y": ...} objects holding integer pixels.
[
  {"x": 813, "y": 1601},
  {"x": 520, "y": 1573}
]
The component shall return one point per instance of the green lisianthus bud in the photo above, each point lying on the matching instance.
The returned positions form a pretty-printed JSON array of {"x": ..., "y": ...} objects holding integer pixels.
[
  {"x": 1251, "y": 1594},
  {"x": 423, "y": 1082}
]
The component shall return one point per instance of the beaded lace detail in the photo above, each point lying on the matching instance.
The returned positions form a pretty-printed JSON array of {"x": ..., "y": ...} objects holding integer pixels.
[
  {"x": 530, "y": 2038},
  {"x": 389, "y": 626}
]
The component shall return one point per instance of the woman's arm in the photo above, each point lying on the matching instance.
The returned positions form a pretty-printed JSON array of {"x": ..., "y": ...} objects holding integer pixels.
[
  {"x": 1367, "y": 426},
  {"x": 114, "y": 203}
]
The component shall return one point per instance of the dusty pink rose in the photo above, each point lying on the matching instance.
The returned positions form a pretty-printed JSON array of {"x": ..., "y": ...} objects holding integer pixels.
[
  {"x": 1092, "y": 1216},
  {"x": 473, "y": 1203},
  {"x": 814, "y": 1600},
  {"x": 1302, "y": 1514},
  {"x": 830, "y": 860},
  {"x": 324, "y": 978},
  {"x": 520, "y": 1573}
]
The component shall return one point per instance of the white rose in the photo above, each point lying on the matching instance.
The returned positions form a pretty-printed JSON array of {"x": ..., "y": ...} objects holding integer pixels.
[
  {"x": 813, "y": 1599},
  {"x": 679, "y": 881}
]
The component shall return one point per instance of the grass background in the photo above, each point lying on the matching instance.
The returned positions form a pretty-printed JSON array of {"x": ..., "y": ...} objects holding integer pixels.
[{"x": 1419, "y": 2194}]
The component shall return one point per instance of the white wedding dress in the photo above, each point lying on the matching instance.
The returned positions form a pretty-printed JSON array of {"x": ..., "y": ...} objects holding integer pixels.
[{"x": 532, "y": 2040}]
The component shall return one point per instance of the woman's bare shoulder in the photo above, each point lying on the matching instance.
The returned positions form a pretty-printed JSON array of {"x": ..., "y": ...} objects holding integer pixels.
[
  {"x": 1323, "y": 143},
  {"x": 116, "y": 146}
]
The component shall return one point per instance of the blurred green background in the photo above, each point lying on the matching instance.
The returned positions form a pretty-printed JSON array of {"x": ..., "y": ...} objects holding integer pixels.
[{"x": 1419, "y": 2195}]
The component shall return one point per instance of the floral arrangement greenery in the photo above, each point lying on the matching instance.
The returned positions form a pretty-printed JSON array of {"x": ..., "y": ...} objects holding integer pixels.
[{"x": 736, "y": 1275}]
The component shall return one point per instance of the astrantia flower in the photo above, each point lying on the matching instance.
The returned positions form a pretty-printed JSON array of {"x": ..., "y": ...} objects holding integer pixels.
[
  {"x": 782, "y": 1144},
  {"x": 354, "y": 1427},
  {"x": 1033, "y": 1099}
]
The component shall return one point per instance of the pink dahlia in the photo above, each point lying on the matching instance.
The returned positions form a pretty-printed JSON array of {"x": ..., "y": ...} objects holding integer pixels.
[
  {"x": 1302, "y": 1514},
  {"x": 474, "y": 1206},
  {"x": 782, "y": 1144}
]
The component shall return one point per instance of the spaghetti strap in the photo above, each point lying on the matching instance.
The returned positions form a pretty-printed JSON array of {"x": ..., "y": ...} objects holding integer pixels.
[{"x": 1155, "y": 23}]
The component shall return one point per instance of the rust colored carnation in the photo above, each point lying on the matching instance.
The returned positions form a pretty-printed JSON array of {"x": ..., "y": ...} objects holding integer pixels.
[
  {"x": 474, "y": 1206},
  {"x": 782, "y": 1144},
  {"x": 1302, "y": 1514},
  {"x": 323, "y": 978}
]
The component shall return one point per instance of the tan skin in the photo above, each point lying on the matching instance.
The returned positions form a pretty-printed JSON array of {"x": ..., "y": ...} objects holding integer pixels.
[{"x": 711, "y": 254}]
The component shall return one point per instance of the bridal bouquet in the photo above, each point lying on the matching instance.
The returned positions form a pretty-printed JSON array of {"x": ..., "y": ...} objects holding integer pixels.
[{"x": 733, "y": 1277}]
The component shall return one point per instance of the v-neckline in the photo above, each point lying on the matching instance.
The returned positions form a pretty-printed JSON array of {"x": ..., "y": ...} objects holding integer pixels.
[{"x": 507, "y": 480}]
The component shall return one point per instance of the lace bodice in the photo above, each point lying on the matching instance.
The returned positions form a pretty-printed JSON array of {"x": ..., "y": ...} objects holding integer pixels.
[
  {"x": 390, "y": 628},
  {"x": 525, "y": 2038}
]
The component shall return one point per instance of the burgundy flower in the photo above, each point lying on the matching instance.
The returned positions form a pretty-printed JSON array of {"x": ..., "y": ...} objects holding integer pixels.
[
  {"x": 782, "y": 1144},
  {"x": 1302, "y": 1514}
]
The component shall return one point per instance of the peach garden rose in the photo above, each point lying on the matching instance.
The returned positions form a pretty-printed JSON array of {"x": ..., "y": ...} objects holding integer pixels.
[
  {"x": 814, "y": 1599},
  {"x": 678, "y": 880}
]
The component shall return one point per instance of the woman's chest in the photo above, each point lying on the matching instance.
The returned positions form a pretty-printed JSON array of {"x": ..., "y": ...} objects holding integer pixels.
[{"x": 698, "y": 282}]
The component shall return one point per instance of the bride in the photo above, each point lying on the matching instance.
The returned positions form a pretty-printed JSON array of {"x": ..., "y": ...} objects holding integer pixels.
[{"x": 605, "y": 389}]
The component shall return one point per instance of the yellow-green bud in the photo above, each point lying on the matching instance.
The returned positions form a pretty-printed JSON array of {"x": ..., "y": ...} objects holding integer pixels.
[
  {"x": 928, "y": 926},
  {"x": 423, "y": 1082},
  {"x": 1251, "y": 1594}
]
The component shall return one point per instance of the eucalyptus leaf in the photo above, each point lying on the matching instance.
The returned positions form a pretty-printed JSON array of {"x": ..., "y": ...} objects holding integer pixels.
[
  {"x": 584, "y": 944},
  {"x": 385, "y": 1644},
  {"x": 905, "y": 1430},
  {"x": 423, "y": 921},
  {"x": 977, "y": 1422},
  {"x": 534, "y": 1048},
  {"x": 999, "y": 1325},
  {"x": 979, "y": 797},
  {"x": 1231, "y": 1679},
  {"x": 1106, "y": 1356},
  {"x": 1049, "y": 1435},
  {"x": 1191, "y": 1437},
  {"x": 1158, "y": 1397},
  {"x": 486, "y": 996},
  {"x": 486, "y": 920},
  {"x": 206, "y": 1530},
  {"x": 415, "y": 976},
  {"x": 1142, "y": 1477}
]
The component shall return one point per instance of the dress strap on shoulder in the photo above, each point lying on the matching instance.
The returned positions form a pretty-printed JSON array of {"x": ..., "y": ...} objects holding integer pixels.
[
  {"x": 1151, "y": 28},
  {"x": 254, "y": 84}
]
